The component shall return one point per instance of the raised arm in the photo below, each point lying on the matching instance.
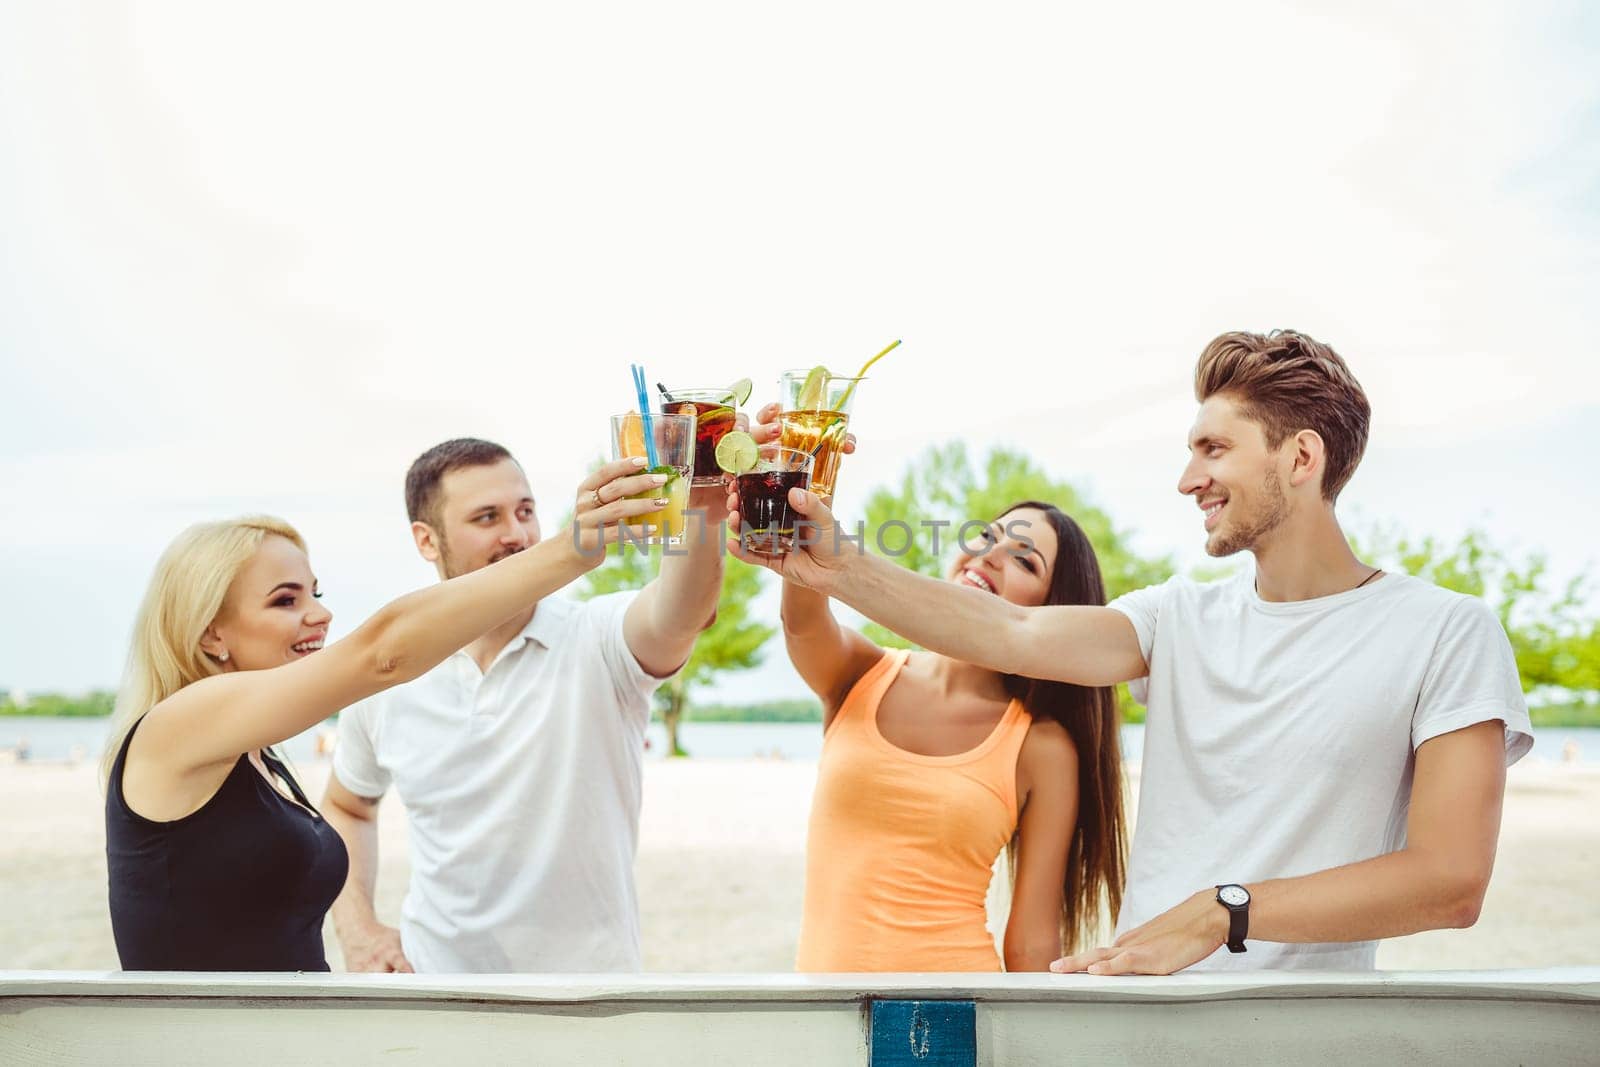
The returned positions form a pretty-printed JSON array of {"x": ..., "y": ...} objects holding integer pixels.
[
  {"x": 219, "y": 718},
  {"x": 1436, "y": 881},
  {"x": 829, "y": 658},
  {"x": 1067, "y": 643},
  {"x": 669, "y": 613}
]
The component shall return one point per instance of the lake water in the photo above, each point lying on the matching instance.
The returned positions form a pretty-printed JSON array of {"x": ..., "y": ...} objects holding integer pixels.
[{"x": 56, "y": 739}]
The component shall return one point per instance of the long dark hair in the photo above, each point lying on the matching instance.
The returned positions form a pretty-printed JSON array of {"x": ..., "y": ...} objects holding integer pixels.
[{"x": 1098, "y": 858}]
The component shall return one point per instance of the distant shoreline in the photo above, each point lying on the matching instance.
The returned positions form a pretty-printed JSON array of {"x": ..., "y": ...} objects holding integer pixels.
[
  {"x": 93, "y": 706},
  {"x": 98, "y": 705},
  {"x": 1570, "y": 715},
  {"x": 782, "y": 712}
]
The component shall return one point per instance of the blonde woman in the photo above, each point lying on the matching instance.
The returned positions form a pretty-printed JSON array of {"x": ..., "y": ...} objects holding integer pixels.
[{"x": 216, "y": 860}]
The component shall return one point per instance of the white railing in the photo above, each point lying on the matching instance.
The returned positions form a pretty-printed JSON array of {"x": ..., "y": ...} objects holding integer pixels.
[{"x": 1531, "y": 1017}]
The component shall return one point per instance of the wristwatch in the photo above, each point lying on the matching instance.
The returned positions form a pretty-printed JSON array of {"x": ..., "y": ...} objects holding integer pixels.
[{"x": 1236, "y": 898}]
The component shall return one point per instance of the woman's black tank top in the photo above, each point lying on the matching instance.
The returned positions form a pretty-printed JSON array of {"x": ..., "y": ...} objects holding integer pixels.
[{"x": 242, "y": 884}]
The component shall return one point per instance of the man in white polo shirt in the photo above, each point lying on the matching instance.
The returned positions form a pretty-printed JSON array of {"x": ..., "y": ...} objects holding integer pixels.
[{"x": 518, "y": 759}]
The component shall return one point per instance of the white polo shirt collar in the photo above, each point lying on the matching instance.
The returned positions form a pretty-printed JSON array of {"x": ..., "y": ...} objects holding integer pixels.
[{"x": 550, "y": 622}]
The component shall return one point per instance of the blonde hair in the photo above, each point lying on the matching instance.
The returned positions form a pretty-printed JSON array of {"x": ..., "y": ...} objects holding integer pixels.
[{"x": 185, "y": 595}]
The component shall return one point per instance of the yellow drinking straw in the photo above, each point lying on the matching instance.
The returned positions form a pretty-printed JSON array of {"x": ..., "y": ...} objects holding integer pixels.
[
  {"x": 862, "y": 373},
  {"x": 844, "y": 401}
]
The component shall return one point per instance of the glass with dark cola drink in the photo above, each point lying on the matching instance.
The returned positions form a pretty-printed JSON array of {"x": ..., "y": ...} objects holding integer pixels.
[{"x": 767, "y": 520}]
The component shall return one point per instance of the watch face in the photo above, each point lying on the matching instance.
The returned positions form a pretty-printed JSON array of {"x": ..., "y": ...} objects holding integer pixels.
[{"x": 1233, "y": 895}]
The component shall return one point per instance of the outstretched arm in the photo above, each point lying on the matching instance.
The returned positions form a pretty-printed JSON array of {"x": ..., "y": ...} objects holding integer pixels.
[
  {"x": 219, "y": 718},
  {"x": 1067, "y": 643},
  {"x": 829, "y": 658}
]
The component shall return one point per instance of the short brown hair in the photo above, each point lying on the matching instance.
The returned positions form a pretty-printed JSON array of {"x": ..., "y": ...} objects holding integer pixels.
[
  {"x": 429, "y": 469},
  {"x": 1289, "y": 382}
]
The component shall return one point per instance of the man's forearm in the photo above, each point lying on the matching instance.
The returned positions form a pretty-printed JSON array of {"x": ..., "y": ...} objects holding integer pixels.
[
  {"x": 1401, "y": 893},
  {"x": 1436, "y": 882},
  {"x": 946, "y": 618},
  {"x": 1393, "y": 895},
  {"x": 1077, "y": 643},
  {"x": 353, "y": 908}
]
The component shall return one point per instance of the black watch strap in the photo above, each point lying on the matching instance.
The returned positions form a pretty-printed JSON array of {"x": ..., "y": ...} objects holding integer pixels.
[{"x": 1238, "y": 917}]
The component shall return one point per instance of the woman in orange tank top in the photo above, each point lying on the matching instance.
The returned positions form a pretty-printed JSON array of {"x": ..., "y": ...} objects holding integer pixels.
[{"x": 931, "y": 767}]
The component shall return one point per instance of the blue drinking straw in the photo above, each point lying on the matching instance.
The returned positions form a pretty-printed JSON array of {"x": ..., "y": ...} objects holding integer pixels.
[{"x": 644, "y": 412}]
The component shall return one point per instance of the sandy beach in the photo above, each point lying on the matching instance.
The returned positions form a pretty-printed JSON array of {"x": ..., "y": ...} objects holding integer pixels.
[{"x": 721, "y": 866}]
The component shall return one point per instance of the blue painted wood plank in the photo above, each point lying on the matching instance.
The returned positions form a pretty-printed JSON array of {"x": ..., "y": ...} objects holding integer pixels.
[{"x": 924, "y": 1033}]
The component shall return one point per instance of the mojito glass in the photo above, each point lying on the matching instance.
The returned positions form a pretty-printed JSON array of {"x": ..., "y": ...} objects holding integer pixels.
[{"x": 673, "y": 435}]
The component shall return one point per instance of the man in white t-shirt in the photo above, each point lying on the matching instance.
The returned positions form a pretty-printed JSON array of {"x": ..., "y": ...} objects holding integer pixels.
[
  {"x": 1325, "y": 744},
  {"x": 519, "y": 758}
]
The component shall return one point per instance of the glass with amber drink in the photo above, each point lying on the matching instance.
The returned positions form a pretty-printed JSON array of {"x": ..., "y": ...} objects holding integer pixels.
[{"x": 814, "y": 420}]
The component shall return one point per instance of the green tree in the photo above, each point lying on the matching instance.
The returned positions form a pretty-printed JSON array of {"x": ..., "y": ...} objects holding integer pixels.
[
  {"x": 732, "y": 643},
  {"x": 1557, "y": 644},
  {"x": 946, "y": 485}
]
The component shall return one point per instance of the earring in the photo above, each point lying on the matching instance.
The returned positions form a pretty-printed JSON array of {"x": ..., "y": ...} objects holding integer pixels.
[{"x": 224, "y": 656}]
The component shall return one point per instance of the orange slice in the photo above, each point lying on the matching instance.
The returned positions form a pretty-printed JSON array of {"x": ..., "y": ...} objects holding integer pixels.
[{"x": 632, "y": 442}]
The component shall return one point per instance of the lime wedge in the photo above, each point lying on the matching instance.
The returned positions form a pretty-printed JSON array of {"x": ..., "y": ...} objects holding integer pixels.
[
  {"x": 740, "y": 391},
  {"x": 737, "y": 452},
  {"x": 813, "y": 389}
]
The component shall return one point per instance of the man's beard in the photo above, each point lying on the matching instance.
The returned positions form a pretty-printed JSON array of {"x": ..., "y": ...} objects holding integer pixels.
[
  {"x": 1270, "y": 511},
  {"x": 453, "y": 567}
]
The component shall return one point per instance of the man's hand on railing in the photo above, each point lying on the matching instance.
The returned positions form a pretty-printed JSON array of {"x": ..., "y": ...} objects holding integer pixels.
[
  {"x": 375, "y": 948},
  {"x": 1170, "y": 942}
]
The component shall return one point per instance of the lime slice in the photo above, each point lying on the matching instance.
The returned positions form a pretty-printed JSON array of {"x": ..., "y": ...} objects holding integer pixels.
[
  {"x": 736, "y": 452},
  {"x": 813, "y": 389},
  {"x": 740, "y": 391}
]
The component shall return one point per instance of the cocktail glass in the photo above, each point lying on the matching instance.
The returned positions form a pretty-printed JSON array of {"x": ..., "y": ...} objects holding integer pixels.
[
  {"x": 766, "y": 518},
  {"x": 674, "y": 440},
  {"x": 714, "y": 411},
  {"x": 816, "y": 425}
]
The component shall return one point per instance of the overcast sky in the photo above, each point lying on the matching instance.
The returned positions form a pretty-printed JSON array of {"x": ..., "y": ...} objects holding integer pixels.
[{"x": 256, "y": 259}]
